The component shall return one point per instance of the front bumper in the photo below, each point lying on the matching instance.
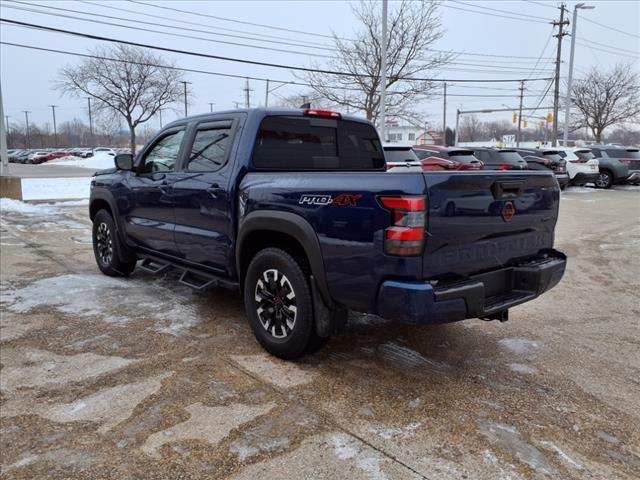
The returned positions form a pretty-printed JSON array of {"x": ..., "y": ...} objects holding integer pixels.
[
  {"x": 479, "y": 295},
  {"x": 634, "y": 177},
  {"x": 582, "y": 178}
]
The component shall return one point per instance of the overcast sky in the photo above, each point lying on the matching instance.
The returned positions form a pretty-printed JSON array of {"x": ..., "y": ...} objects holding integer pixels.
[{"x": 27, "y": 75}]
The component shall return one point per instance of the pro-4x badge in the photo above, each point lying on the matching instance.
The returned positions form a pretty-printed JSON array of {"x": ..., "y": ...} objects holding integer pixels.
[{"x": 342, "y": 200}]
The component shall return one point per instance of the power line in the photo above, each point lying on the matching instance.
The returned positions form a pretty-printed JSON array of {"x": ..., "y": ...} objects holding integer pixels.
[
  {"x": 298, "y": 41},
  {"x": 483, "y": 7},
  {"x": 540, "y": 3},
  {"x": 611, "y": 28},
  {"x": 523, "y": 19},
  {"x": 138, "y": 28},
  {"x": 245, "y": 61},
  {"x": 232, "y": 20},
  {"x": 613, "y": 52},
  {"x": 603, "y": 45},
  {"x": 208, "y": 72}
]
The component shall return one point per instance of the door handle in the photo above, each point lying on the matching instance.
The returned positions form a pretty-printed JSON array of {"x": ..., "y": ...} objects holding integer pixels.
[{"x": 214, "y": 190}]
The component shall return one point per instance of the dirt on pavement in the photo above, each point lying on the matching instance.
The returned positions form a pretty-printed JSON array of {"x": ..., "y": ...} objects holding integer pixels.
[{"x": 145, "y": 378}]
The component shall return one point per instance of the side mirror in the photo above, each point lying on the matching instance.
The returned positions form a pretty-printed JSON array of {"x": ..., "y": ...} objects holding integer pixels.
[{"x": 124, "y": 161}]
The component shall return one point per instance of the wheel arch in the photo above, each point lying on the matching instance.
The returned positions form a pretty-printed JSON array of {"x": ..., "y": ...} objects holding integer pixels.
[{"x": 285, "y": 230}]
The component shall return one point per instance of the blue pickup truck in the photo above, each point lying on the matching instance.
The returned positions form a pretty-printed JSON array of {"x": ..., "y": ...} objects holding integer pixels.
[{"x": 295, "y": 209}]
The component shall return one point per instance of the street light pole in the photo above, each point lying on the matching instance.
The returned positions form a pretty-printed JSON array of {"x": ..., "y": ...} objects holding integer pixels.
[
  {"x": 266, "y": 94},
  {"x": 383, "y": 68},
  {"x": 90, "y": 121},
  {"x": 55, "y": 131},
  {"x": 567, "y": 100},
  {"x": 211, "y": 104},
  {"x": 185, "y": 97},
  {"x": 26, "y": 117},
  {"x": 520, "y": 115},
  {"x": 444, "y": 117}
]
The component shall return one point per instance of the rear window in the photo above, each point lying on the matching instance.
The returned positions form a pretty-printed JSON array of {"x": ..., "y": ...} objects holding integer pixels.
[
  {"x": 552, "y": 156},
  {"x": 462, "y": 156},
  {"x": 302, "y": 143},
  {"x": 622, "y": 153},
  {"x": 400, "y": 155},
  {"x": 585, "y": 155},
  {"x": 422, "y": 154},
  {"x": 511, "y": 158}
]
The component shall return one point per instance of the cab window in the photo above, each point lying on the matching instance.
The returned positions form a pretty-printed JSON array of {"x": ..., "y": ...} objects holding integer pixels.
[{"x": 164, "y": 154}]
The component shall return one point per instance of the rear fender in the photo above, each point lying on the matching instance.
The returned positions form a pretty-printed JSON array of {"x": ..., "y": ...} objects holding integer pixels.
[{"x": 294, "y": 226}]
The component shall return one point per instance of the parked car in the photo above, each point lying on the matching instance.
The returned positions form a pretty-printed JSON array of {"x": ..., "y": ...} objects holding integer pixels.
[
  {"x": 108, "y": 151},
  {"x": 290, "y": 208},
  {"x": 546, "y": 159},
  {"x": 617, "y": 164},
  {"x": 37, "y": 157},
  {"x": 499, "y": 158},
  {"x": 581, "y": 166},
  {"x": 401, "y": 159},
  {"x": 85, "y": 153},
  {"x": 455, "y": 158}
]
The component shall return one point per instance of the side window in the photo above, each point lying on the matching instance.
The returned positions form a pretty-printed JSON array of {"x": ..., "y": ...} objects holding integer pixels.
[
  {"x": 412, "y": 137},
  {"x": 209, "y": 150},
  {"x": 163, "y": 155},
  {"x": 596, "y": 152}
]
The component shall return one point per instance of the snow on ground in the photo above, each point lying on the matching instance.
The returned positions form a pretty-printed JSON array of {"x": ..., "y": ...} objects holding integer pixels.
[
  {"x": 99, "y": 161},
  {"x": 55, "y": 188},
  {"x": 11, "y": 205}
]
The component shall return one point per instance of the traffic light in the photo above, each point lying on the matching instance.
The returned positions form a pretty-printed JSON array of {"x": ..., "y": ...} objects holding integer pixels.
[
  {"x": 524, "y": 123},
  {"x": 515, "y": 117},
  {"x": 549, "y": 117}
]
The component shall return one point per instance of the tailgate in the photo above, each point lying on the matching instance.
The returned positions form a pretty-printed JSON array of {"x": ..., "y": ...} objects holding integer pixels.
[{"x": 483, "y": 221}]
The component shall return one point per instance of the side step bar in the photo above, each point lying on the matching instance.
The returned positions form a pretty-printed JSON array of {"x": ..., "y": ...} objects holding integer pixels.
[
  {"x": 196, "y": 279},
  {"x": 152, "y": 265}
]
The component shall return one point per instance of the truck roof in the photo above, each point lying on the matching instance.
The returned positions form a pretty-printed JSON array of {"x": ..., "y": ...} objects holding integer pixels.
[{"x": 259, "y": 112}]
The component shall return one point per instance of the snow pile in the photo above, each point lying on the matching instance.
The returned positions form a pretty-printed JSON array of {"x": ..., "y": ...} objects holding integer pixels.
[
  {"x": 99, "y": 161},
  {"x": 16, "y": 206}
]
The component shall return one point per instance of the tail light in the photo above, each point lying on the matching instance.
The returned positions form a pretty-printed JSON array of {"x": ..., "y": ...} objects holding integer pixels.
[
  {"x": 314, "y": 112},
  {"x": 504, "y": 167},
  {"x": 628, "y": 160},
  {"x": 405, "y": 237}
]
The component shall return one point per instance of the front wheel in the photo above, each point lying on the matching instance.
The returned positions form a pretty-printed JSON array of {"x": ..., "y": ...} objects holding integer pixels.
[
  {"x": 604, "y": 180},
  {"x": 107, "y": 248},
  {"x": 278, "y": 302}
]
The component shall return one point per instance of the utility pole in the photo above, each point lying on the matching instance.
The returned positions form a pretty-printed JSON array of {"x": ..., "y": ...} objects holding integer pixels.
[
  {"x": 455, "y": 138},
  {"x": 4, "y": 157},
  {"x": 247, "y": 97},
  {"x": 266, "y": 94},
  {"x": 90, "y": 122},
  {"x": 567, "y": 99},
  {"x": 55, "y": 130},
  {"x": 519, "y": 135},
  {"x": 383, "y": 68},
  {"x": 26, "y": 117},
  {"x": 185, "y": 97},
  {"x": 556, "y": 89},
  {"x": 211, "y": 104},
  {"x": 160, "y": 114},
  {"x": 237, "y": 104},
  {"x": 444, "y": 117}
]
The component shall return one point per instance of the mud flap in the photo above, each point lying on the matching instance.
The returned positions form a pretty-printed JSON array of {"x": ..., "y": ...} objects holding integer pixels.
[{"x": 327, "y": 321}]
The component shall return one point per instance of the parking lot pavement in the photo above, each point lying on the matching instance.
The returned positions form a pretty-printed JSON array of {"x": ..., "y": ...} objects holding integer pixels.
[{"x": 143, "y": 378}]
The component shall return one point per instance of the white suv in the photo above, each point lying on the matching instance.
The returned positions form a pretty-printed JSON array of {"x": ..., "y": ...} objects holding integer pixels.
[{"x": 580, "y": 170}]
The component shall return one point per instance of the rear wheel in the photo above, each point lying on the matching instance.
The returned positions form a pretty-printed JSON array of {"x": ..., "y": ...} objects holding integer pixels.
[
  {"x": 604, "y": 180},
  {"x": 107, "y": 248},
  {"x": 278, "y": 302}
]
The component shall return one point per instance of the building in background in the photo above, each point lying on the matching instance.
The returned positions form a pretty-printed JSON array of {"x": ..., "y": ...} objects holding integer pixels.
[{"x": 404, "y": 132}]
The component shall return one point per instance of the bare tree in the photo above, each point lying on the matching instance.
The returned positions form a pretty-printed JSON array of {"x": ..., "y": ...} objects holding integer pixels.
[
  {"x": 606, "y": 98},
  {"x": 124, "y": 80},
  {"x": 471, "y": 128},
  {"x": 413, "y": 27}
]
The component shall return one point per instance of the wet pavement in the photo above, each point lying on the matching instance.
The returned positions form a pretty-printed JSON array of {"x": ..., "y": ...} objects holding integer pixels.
[{"x": 144, "y": 378}]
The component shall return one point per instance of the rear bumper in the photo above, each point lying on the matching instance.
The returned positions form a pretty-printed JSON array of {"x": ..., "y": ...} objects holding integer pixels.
[
  {"x": 477, "y": 296},
  {"x": 582, "y": 178},
  {"x": 634, "y": 177},
  {"x": 563, "y": 179}
]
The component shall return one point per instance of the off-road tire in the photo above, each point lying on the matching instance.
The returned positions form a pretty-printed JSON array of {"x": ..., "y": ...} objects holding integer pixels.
[
  {"x": 278, "y": 302},
  {"x": 107, "y": 248}
]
